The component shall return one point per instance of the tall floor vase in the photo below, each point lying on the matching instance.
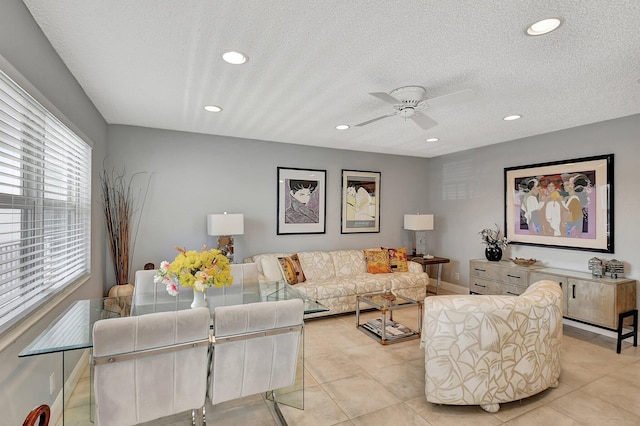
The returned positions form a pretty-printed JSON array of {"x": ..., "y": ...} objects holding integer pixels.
[{"x": 199, "y": 300}]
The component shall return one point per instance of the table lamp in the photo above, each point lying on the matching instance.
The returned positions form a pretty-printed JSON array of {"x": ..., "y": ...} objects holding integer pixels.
[
  {"x": 418, "y": 222},
  {"x": 225, "y": 226}
]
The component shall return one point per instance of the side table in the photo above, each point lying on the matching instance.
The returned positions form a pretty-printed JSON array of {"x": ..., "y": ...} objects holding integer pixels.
[{"x": 433, "y": 261}]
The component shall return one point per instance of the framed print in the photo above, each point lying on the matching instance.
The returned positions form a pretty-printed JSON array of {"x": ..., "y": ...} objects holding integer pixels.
[
  {"x": 301, "y": 201},
  {"x": 360, "y": 202},
  {"x": 563, "y": 204}
]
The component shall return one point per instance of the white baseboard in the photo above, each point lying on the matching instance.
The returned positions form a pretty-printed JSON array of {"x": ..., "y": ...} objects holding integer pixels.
[{"x": 454, "y": 288}]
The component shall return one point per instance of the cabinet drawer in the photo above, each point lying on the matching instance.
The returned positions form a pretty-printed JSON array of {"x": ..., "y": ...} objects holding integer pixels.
[
  {"x": 500, "y": 272},
  {"x": 512, "y": 290},
  {"x": 480, "y": 286}
]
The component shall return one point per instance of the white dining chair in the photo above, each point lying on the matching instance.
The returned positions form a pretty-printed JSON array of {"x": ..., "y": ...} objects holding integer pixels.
[
  {"x": 255, "y": 348},
  {"x": 150, "y": 366}
]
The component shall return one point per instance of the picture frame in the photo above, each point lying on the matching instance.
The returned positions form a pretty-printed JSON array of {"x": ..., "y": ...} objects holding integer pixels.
[
  {"x": 360, "y": 202},
  {"x": 564, "y": 204},
  {"x": 301, "y": 201}
]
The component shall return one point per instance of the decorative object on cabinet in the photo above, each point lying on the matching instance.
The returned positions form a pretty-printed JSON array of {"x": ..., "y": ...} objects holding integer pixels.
[
  {"x": 418, "y": 222},
  {"x": 225, "y": 226},
  {"x": 360, "y": 202},
  {"x": 536, "y": 195},
  {"x": 596, "y": 266},
  {"x": 301, "y": 201},
  {"x": 523, "y": 262},
  {"x": 614, "y": 268},
  {"x": 495, "y": 243}
]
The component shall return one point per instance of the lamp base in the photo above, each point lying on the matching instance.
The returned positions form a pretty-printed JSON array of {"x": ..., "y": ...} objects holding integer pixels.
[{"x": 225, "y": 245}]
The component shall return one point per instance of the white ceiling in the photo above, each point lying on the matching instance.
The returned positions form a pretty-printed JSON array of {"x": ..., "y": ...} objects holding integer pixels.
[{"x": 156, "y": 63}]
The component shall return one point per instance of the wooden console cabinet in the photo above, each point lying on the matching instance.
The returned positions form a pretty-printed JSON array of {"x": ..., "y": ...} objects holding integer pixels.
[{"x": 596, "y": 301}]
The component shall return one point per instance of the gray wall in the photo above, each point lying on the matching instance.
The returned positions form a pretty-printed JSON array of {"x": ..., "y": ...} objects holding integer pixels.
[
  {"x": 24, "y": 383},
  {"x": 466, "y": 193},
  {"x": 195, "y": 175}
]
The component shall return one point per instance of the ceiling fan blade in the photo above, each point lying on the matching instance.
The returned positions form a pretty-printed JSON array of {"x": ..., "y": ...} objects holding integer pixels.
[
  {"x": 451, "y": 98},
  {"x": 386, "y": 97},
  {"x": 423, "y": 121},
  {"x": 375, "y": 119}
]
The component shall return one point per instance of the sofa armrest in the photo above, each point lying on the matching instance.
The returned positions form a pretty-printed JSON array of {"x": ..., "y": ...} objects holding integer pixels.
[{"x": 414, "y": 267}]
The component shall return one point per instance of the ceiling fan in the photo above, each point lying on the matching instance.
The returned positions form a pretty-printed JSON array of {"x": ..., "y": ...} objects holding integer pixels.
[{"x": 408, "y": 102}]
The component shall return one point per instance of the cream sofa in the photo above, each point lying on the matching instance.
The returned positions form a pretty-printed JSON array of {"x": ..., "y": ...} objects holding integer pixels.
[
  {"x": 334, "y": 278},
  {"x": 486, "y": 350}
]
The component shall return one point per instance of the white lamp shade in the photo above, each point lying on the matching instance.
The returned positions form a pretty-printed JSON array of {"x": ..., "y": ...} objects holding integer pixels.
[
  {"x": 225, "y": 224},
  {"x": 418, "y": 222}
]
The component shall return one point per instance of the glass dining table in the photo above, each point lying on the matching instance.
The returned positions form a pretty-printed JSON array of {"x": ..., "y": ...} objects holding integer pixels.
[{"x": 73, "y": 329}]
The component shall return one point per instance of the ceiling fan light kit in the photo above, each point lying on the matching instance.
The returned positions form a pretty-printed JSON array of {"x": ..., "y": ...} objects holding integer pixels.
[{"x": 408, "y": 101}]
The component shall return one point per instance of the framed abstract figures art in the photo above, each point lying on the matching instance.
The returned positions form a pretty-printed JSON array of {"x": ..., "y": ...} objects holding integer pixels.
[{"x": 562, "y": 204}]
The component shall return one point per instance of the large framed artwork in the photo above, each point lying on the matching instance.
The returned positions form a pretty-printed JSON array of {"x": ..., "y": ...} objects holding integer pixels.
[
  {"x": 563, "y": 204},
  {"x": 360, "y": 202},
  {"x": 301, "y": 201}
]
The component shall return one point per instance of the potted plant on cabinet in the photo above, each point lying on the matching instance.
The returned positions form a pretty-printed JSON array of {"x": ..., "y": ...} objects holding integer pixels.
[{"x": 120, "y": 206}]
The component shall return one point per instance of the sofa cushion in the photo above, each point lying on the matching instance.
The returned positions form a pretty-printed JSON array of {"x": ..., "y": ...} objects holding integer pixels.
[
  {"x": 348, "y": 262},
  {"x": 377, "y": 261},
  {"x": 398, "y": 259},
  {"x": 291, "y": 269},
  {"x": 326, "y": 289},
  {"x": 317, "y": 265}
]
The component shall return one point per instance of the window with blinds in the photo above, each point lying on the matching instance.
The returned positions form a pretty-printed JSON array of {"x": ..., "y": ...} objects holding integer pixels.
[{"x": 45, "y": 204}]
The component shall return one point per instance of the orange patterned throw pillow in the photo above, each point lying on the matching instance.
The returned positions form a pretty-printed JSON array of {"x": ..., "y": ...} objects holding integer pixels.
[
  {"x": 398, "y": 259},
  {"x": 377, "y": 261},
  {"x": 291, "y": 269}
]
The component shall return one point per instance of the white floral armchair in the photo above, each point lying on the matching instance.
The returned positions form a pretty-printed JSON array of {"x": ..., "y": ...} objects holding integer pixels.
[{"x": 486, "y": 350}]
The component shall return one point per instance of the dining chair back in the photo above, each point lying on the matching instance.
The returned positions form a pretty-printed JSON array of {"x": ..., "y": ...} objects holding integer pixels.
[
  {"x": 255, "y": 348},
  {"x": 39, "y": 416},
  {"x": 150, "y": 366}
]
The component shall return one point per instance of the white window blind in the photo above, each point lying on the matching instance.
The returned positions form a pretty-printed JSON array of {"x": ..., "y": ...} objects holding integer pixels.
[{"x": 45, "y": 204}]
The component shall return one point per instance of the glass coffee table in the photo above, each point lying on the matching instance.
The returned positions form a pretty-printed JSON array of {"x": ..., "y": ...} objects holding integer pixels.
[{"x": 384, "y": 329}]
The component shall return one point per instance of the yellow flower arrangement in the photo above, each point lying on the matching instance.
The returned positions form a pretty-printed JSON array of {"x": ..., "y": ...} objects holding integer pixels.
[{"x": 200, "y": 270}]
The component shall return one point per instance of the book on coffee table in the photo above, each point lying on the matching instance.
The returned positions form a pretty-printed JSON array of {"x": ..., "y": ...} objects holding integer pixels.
[{"x": 393, "y": 329}]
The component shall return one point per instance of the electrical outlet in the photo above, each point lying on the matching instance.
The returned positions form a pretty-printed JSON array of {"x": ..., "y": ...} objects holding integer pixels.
[
  {"x": 52, "y": 383},
  {"x": 457, "y": 276}
]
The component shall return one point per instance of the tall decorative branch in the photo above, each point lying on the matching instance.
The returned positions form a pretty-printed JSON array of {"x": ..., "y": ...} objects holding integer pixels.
[{"x": 120, "y": 207}]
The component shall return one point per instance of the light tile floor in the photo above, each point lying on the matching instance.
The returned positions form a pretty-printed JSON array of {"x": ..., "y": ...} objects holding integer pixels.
[{"x": 352, "y": 380}]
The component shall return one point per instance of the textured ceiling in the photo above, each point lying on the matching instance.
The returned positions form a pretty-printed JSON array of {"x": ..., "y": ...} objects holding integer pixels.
[{"x": 156, "y": 63}]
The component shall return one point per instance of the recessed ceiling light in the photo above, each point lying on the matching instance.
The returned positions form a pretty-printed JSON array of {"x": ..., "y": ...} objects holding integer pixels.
[
  {"x": 342, "y": 127},
  {"x": 433, "y": 140},
  {"x": 213, "y": 108},
  {"x": 235, "y": 58},
  {"x": 543, "y": 27},
  {"x": 512, "y": 117}
]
